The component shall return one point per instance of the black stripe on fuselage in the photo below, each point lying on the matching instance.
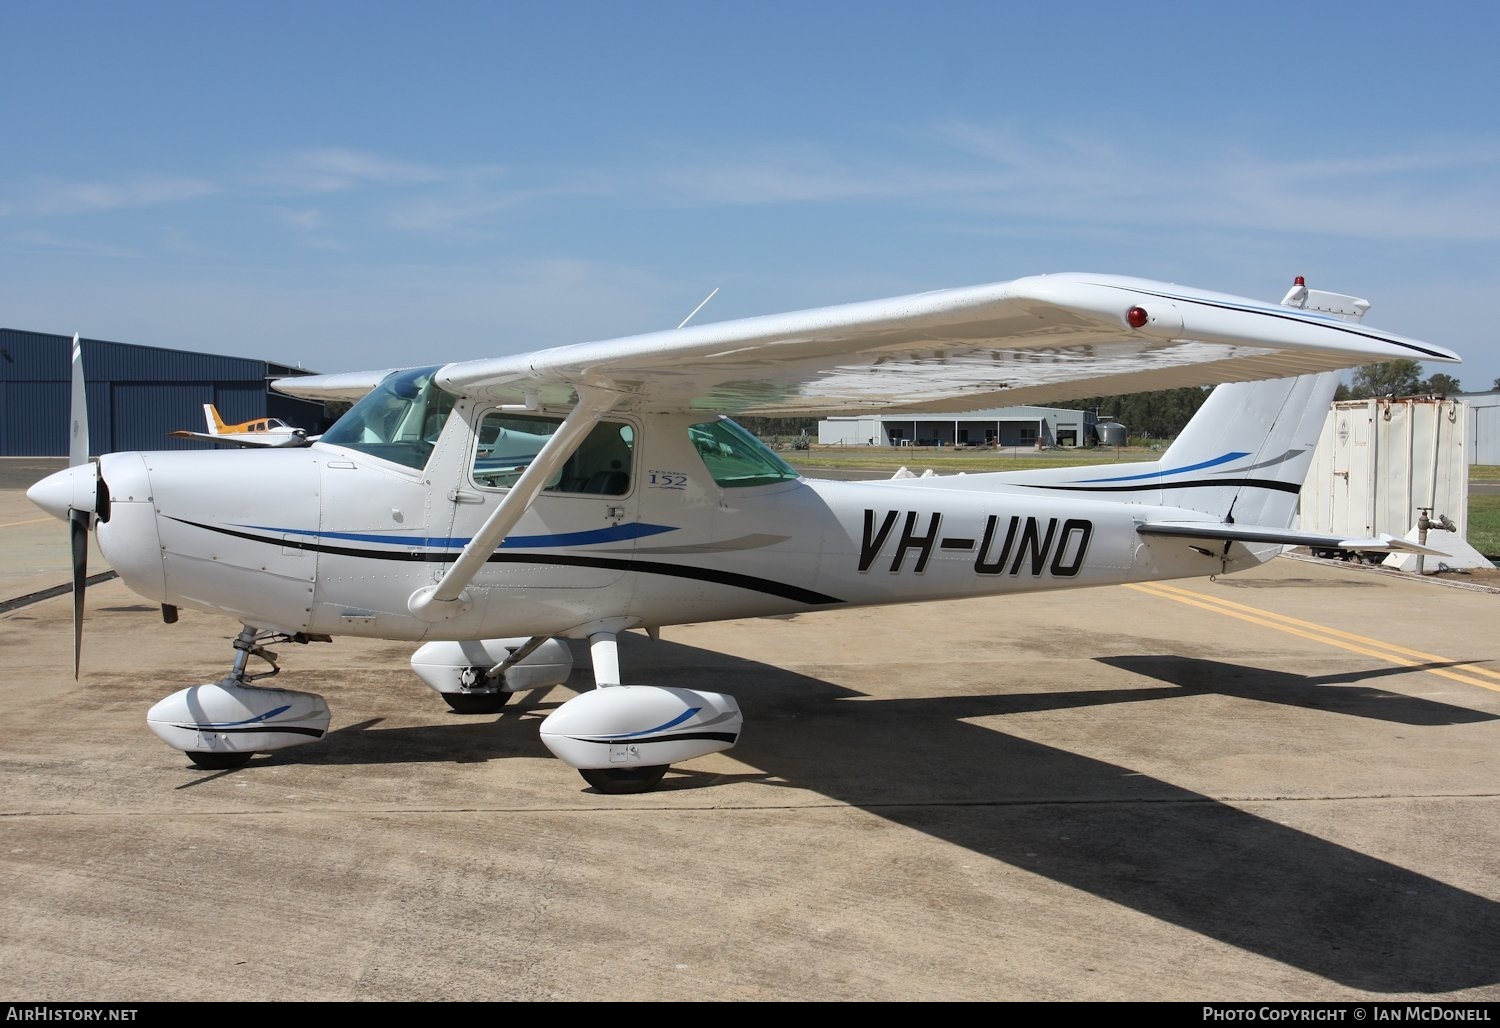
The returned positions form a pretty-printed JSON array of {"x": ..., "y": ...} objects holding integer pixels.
[
  {"x": 645, "y": 567},
  {"x": 1258, "y": 483},
  {"x": 728, "y": 737},
  {"x": 316, "y": 733}
]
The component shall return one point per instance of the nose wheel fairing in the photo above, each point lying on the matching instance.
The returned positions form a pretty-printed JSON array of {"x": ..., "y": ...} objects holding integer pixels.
[
  {"x": 625, "y": 727},
  {"x": 228, "y": 718}
]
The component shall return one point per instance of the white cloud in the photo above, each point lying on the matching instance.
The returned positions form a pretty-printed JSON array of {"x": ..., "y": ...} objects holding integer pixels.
[
  {"x": 52, "y": 197},
  {"x": 308, "y": 219},
  {"x": 774, "y": 174},
  {"x": 1432, "y": 193},
  {"x": 331, "y": 170},
  {"x": 46, "y": 242}
]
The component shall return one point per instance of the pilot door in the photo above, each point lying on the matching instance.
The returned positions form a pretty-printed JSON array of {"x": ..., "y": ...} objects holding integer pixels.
[{"x": 579, "y": 531}]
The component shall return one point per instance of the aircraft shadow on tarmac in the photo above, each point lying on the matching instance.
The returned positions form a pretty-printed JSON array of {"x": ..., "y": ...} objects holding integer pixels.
[
  {"x": 1189, "y": 675},
  {"x": 1125, "y": 837}
]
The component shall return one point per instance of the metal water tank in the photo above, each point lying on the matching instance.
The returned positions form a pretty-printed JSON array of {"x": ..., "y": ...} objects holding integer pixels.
[{"x": 1111, "y": 433}]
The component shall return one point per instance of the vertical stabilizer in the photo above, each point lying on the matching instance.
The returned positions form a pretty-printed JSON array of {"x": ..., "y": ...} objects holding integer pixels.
[
  {"x": 1246, "y": 453},
  {"x": 1242, "y": 458},
  {"x": 215, "y": 423}
]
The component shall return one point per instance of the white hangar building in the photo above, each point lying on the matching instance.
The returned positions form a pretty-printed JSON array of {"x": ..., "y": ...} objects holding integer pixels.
[
  {"x": 1484, "y": 426},
  {"x": 1002, "y": 427}
]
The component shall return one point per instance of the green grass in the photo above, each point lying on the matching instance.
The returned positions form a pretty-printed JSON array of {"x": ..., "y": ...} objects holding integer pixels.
[{"x": 1484, "y": 525}]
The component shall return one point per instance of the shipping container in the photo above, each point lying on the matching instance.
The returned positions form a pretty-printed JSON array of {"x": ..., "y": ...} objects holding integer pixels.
[{"x": 1380, "y": 462}]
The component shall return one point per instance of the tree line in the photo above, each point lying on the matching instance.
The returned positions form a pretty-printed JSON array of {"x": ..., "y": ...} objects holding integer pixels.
[
  {"x": 1161, "y": 415},
  {"x": 1398, "y": 378}
]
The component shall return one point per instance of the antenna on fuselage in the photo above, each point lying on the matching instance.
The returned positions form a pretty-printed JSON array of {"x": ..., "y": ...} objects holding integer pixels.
[{"x": 698, "y": 308}]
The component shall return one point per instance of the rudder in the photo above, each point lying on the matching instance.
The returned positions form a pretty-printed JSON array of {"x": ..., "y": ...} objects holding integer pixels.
[{"x": 1248, "y": 449}]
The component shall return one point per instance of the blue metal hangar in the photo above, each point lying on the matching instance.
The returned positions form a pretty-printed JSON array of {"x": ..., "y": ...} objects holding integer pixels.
[{"x": 136, "y": 394}]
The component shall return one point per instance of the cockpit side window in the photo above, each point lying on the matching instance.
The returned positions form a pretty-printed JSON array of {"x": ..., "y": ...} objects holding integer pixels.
[
  {"x": 399, "y": 420},
  {"x": 735, "y": 458},
  {"x": 508, "y": 443}
]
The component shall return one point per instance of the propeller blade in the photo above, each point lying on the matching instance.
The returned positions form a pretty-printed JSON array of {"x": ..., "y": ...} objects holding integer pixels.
[
  {"x": 78, "y": 520},
  {"x": 78, "y": 434},
  {"x": 78, "y": 531}
]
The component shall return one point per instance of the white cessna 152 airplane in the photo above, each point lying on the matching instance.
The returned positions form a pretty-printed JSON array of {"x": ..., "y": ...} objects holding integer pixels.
[{"x": 492, "y": 510}]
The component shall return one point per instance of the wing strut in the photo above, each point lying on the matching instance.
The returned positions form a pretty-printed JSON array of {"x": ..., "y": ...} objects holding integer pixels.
[{"x": 449, "y": 598}]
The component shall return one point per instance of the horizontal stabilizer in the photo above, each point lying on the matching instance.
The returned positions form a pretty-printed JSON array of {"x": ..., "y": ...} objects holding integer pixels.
[{"x": 1224, "y": 532}]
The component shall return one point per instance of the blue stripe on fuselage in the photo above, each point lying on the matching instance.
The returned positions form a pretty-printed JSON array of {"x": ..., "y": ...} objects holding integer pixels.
[
  {"x": 594, "y": 537},
  {"x": 1172, "y": 471}
]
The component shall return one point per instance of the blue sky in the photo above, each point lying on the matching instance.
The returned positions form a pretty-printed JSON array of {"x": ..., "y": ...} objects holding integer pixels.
[{"x": 366, "y": 185}]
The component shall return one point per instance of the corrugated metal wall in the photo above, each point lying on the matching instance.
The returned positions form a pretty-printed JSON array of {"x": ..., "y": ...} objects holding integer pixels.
[
  {"x": 136, "y": 394},
  {"x": 1484, "y": 427}
]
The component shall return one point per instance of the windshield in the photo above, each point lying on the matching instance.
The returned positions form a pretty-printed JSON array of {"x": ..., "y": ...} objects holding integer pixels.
[{"x": 399, "y": 420}]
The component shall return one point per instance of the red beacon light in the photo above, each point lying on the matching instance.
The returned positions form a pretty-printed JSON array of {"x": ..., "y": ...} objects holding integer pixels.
[{"x": 1137, "y": 317}]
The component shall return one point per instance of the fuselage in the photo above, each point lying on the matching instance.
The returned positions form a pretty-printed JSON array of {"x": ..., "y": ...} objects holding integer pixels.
[{"x": 334, "y": 540}]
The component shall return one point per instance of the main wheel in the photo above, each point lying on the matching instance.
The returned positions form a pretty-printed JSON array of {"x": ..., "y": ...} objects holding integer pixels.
[
  {"x": 476, "y": 702},
  {"x": 619, "y": 781},
  {"x": 218, "y": 761}
]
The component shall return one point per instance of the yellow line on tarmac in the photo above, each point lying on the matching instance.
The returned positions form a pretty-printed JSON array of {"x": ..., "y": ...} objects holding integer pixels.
[
  {"x": 1401, "y": 656},
  {"x": 33, "y": 521}
]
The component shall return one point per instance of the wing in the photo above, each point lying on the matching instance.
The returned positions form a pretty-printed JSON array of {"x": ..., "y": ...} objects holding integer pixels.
[
  {"x": 1031, "y": 340},
  {"x": 345, "y": 387}
]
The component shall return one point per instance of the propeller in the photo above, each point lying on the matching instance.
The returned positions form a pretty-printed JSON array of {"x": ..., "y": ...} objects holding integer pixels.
[
  {"x": 77, "y": 495},
  {"x": 78, "y": 520}
]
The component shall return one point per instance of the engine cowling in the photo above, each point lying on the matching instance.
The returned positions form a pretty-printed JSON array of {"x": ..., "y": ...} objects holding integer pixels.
[
  {"x": 226, "y": 717},
  {"x": 624, "y": 726},
  {"x": 446, "y": 667}
]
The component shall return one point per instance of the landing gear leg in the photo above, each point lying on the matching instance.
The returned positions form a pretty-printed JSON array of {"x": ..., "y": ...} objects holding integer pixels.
[{"x": 604, "y": 650}]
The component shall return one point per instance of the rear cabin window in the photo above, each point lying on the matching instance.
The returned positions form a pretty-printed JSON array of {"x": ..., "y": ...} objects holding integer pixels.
[{"x": 508, "y": 443}]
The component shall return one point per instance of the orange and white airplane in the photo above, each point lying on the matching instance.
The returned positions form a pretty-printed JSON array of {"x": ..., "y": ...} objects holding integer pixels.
[{"x": 255, "y": 432}]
